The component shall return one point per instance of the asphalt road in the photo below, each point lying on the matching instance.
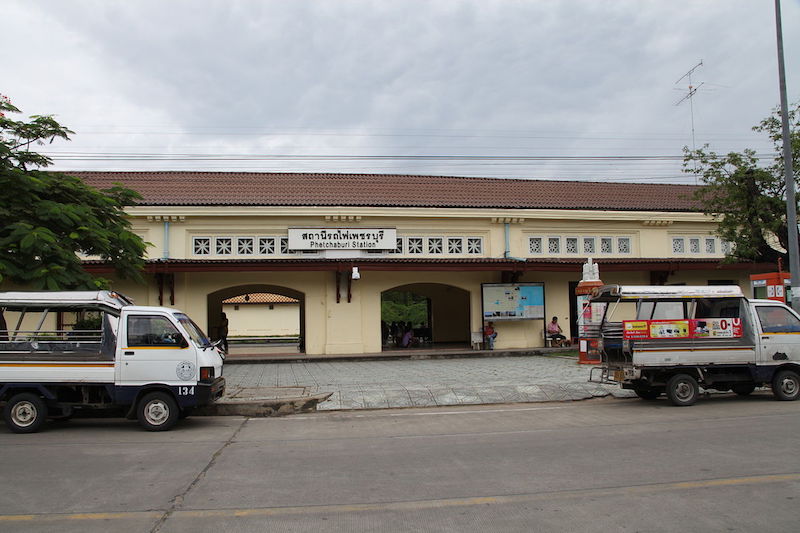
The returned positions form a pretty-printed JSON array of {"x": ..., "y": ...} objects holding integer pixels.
[{"x": 725, "y": 464}]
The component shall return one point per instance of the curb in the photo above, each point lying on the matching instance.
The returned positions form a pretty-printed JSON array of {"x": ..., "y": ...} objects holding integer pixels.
[{"x": 263, "y": 407}]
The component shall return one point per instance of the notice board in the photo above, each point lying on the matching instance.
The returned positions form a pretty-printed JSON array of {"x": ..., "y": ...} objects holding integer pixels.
[{"x": 512, "y": 301}]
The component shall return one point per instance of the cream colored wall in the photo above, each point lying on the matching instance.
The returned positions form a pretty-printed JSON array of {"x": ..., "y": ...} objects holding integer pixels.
[
  {"x": 251, "y": 320},
  {"x": 650, "y": 232},
  {"x": 29, "y": 321},
  {"x": 354, "y": 327}
]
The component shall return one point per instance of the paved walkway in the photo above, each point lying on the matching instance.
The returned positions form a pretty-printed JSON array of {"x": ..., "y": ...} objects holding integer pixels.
[{"x": 378, "y": 384}]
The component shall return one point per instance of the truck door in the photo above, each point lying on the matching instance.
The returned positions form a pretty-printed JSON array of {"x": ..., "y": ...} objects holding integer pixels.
[
  {"x": 153, "y": 350},
  {"x": 779, "y": 337}
]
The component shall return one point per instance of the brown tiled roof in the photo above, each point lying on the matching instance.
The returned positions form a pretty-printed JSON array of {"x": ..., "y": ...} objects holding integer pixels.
[
  {"x": 386, "y": 190},
  {"x": 260, "y": 298}
]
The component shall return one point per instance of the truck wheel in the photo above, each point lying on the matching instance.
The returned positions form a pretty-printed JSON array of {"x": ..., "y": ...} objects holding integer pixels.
[
  {"x": 786, "y": 385},
  {"x": 682, "y": 390},
  {"x": 647, "y": 394},
  {"x": 25, "y": 413},
  {"x": 744, "y": 389},
  {"x": 157, "y": 411}
]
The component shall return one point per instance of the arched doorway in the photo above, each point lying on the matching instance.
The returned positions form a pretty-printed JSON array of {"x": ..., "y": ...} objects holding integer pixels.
[
  {"x": 439, "y": 315},
  {"x": 229, "y": 300}
]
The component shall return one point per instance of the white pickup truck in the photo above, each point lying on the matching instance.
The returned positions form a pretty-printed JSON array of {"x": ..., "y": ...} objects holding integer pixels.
[
  {"x": 675, "y": 339},
  {"x": 65, "y": 351}
]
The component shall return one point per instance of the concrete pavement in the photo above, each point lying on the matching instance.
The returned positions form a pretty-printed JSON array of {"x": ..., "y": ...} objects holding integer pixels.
[{"x": 267, "y": 386}]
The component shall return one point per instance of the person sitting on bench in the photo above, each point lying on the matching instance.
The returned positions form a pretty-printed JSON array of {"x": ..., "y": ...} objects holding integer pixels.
[{"x": 554, "y": 332}]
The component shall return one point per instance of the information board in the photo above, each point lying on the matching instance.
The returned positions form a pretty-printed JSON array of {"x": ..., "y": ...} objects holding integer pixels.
[{"x": 513, "y": 301}]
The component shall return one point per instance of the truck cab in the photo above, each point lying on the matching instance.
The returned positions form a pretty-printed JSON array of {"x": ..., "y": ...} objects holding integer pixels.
[
  {"x": 674, "y": 339},
  {"x": 66, "y": 351}
]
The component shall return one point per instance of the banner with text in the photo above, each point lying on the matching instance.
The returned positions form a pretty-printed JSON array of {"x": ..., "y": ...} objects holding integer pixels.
[{"x": 682, "y": 329}]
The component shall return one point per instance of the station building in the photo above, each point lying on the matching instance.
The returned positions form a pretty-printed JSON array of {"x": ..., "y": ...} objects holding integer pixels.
[{"x": 337, "y": 243}]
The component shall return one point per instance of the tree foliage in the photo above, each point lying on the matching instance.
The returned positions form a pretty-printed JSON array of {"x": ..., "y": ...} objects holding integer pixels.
[
  {"x": 748, "y": 199},
  {"x": 49, "y": 218},
  {"x": 404, "y": 306}
]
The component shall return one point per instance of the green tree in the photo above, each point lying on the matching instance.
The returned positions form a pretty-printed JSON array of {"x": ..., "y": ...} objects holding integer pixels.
[
  {"x": 748, "y": 199},
  {"x": 404, "y": 306},
  {"x": 49, "y": 218}
]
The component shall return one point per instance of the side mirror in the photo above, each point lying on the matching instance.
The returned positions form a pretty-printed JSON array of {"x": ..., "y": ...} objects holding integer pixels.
[{"x": 216, "y": 345}]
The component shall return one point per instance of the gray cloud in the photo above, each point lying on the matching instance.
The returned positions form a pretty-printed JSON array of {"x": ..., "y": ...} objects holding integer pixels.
[{"x": 414, "y": 77}]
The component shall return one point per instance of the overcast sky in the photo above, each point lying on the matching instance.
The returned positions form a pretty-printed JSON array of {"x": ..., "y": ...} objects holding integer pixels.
[{"x": 557, "y": 89}]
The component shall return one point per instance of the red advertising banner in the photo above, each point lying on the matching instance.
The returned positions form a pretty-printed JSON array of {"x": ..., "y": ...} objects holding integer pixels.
[{"x": 682, "y": 329}]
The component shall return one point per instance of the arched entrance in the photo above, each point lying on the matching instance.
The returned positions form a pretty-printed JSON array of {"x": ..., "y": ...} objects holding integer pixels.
[
  {"x": 439, "y": 315},
  {"x": 234, "y": 295}
]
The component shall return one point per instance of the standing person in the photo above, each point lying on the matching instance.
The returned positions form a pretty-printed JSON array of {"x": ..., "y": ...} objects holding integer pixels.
[
  {"x": 490, "y": 334},
  {"x": 223, "y": 331},
  {"x": 384, "y": 333},
  {"x": 397, "y": 333},
  {"x": 554, "y": 332}
]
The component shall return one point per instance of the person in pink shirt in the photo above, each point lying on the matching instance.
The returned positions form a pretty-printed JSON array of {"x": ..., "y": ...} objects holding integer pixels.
[{"x": 555, "y": 333}]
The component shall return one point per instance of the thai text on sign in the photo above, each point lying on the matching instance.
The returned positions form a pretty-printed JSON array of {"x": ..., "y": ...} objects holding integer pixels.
[
  {"x": 342, "y": 238},
  {"x": 682, "y": 329}
]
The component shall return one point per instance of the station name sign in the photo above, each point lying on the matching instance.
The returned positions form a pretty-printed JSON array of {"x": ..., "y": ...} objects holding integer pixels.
[{"x": 342, "y": 238}]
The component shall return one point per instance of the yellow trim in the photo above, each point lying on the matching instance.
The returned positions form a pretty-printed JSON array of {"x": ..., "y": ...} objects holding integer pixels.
[
  {"x": 155, "y": 348},
  {"x": 781, "y": 333},
  {"x": 691, "y": 349},
  {"x": 574, "y": 495}
]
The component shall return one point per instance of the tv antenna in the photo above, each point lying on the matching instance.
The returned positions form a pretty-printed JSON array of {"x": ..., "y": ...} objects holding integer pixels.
[{"x": 689, "y": 96}]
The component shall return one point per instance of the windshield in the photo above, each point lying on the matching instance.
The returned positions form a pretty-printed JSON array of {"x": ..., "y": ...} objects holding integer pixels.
[{"x": 193, "y": 330}]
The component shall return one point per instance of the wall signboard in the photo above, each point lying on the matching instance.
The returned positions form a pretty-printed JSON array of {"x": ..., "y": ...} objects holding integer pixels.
[
  {"x": 342, "y": 238},
  {"x": 512, "y": 301}
]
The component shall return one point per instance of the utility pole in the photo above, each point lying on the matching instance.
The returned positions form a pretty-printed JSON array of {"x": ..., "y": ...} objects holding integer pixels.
[{"x": 791, "y": 205}]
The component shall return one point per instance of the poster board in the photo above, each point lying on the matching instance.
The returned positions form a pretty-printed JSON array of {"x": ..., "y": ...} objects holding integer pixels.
[
  {"x": 512, "y": 301},
  {"x": 588, "y": 314}
]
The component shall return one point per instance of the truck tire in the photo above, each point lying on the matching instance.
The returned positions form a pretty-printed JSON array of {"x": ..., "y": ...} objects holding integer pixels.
[
  {"x": 25, "y": 413},
  {"x": 786, "y": 385},
  {"x": 743, "y": 389},
  {"x": 682, "y": 390},
  {"x": 157, "y": 411}
]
